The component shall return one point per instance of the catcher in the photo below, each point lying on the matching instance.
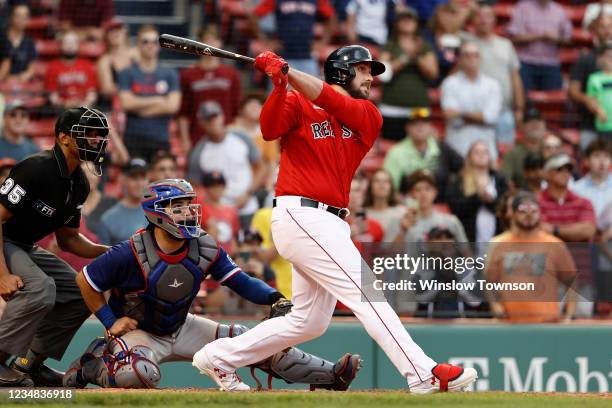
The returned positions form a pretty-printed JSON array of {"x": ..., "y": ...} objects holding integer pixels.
[{"x": 153, "y": 278}]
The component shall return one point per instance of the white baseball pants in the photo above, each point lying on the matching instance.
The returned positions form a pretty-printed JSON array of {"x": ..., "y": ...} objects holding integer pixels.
[{"x": 326, "y": 267}]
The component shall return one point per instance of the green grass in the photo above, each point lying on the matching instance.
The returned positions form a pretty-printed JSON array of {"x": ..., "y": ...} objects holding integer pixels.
[{"x": 373, "y": 399}]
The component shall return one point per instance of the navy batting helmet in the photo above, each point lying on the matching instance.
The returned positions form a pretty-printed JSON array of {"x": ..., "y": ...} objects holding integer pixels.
[{"x": 339, "y": 68}]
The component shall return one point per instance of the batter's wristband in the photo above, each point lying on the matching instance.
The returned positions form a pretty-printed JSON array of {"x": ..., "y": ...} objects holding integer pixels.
[
  {"x": 106, "y": 316},
  {"x": 275, "y": 297}
]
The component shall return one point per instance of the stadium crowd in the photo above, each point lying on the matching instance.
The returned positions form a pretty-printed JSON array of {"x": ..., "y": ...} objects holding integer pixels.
[{"x": 480, "y": 100}]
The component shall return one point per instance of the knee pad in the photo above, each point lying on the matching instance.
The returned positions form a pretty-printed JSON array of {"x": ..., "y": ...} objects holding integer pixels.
[
  {"x": 135, "y": 368},
  {"x": 231, "y": 330}
]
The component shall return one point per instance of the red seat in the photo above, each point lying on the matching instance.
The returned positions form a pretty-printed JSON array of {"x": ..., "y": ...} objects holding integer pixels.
[
  {"x": 503, "y": 11},
  {"x": 575, "y": 13},
  {"x": 548, "y": 98},
  {"x": 581, "y": 36},
  {"x": 37, "y": 23},
  {"x": 234, "y": 8},
  {"x": 91, "y": 50},
  {"x": 371, "y": 163},
  {"x": 47, "y": 48},
  {"x": 41, "y": 128},
  {"x": 568, "y": 56},
  {"x": 384, "y": 145},
  {"x": 571, "y": 135}
]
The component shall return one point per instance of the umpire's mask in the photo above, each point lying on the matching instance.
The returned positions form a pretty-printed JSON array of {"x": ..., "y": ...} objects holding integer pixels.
[{"x": 89, "y": 128}]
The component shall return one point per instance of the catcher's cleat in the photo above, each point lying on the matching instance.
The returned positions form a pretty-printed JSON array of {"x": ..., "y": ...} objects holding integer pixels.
[
  {"x": 345, "y": 371},
  {"x": 446, "y": 378},
  {"x": 13, "y": 378},
  {"x": 226, "y": 380},
  {"x": 41, "y": 375}
]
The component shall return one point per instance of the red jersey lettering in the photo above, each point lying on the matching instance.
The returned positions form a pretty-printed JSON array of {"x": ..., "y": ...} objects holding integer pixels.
[{"x": 322, "y": 142}]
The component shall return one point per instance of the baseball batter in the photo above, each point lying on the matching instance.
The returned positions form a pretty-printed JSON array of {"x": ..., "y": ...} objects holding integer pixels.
[
  {"x": 325, "y": 130},
  {"x": 153, "y": 278}
]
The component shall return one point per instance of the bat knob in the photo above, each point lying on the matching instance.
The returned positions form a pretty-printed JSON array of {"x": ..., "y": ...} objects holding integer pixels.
[{"x": 285, "y": 69}]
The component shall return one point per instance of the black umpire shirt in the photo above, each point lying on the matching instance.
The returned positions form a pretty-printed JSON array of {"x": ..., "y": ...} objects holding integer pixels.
[{"x": 42, "y": 197}]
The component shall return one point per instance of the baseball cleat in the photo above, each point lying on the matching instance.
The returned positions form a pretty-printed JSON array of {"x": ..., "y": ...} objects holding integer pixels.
[
  {"x": 226, "y": 380},
  {"x": 446, "y": 378},
  {"x": 41, "y": 375}
]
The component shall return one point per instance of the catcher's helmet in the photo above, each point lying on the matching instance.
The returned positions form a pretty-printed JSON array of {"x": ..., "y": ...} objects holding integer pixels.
[
  {"x": 339, "y": 64},
  {"x": 85, "y": 125},
  {"x": 180, "y": 221}
]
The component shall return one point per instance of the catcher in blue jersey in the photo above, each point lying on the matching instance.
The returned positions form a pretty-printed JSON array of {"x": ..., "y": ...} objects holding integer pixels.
[{"x": 153, "y": 278}]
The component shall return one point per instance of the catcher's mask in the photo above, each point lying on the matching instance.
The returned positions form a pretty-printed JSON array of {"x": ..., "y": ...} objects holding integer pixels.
[{"x": 169, "y": 205}]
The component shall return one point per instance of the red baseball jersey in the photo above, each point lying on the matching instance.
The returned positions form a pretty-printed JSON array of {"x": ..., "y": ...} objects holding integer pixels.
[{"x": 322, "y": 142}]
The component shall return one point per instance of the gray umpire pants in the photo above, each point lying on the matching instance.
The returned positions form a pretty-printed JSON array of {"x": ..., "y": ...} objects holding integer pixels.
[{"x": 46, "y": 313}]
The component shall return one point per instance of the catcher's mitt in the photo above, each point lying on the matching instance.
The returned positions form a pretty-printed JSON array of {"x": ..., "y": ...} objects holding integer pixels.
[{"x": 280, "y": 308}]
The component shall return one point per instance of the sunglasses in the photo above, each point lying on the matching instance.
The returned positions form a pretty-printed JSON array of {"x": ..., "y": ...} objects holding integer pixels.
[
  {"x": 527, "y": 208},
  {"x": 567, "y": 168}
]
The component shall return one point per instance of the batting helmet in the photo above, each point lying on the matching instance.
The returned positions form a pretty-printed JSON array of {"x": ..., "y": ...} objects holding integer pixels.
[
  {"x": 339, "y": 68},
  {"x": 180, "y": 221}
]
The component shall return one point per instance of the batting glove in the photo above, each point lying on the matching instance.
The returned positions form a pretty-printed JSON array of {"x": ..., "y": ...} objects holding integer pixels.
[{"x": 272, "y": 65}]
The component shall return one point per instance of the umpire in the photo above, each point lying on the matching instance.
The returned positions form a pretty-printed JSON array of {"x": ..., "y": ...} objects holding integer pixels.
[{"x": 43, "y": 194}]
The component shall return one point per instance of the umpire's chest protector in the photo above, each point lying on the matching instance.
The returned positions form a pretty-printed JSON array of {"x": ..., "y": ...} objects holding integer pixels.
[{"x": 172, "y": 282}]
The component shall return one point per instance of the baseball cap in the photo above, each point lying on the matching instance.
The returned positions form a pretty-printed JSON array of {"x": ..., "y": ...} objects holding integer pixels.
[
  {"x": 136, "y": 165},
  {"x": 249, "y": 235},
  {"x": 213, "y": 178},
  {"x": 209, "y": 109},
  {"x": 14, "y": 105},
  {"x": 558, "y": 161},
  {"x": 419, "y": 114},
  {"x": 440, "y": 231},
  {"x": 113, "y": 23},
  {"x": 532, "y": 113}
]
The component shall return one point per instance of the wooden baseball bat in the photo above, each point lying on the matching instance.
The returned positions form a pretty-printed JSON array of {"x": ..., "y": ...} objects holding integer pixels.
[{"x": 188, "y": 46}]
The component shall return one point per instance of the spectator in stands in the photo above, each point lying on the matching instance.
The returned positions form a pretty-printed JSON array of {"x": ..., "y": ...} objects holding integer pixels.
[
  {"x": 533, "y": 169},
  {"x": 14, "y": 142},
  {"x": 123, "y": 219},
  {"x": 208, "y": 79},
  {"x": 97, "y": 202},
  {"x": 471, "y": 102},
  {"x": 446, "y": 26},
  {"x": 6, "y": 164},
  {"x": 596, "y": 185},
  {"x": 441, "y": 246},
  {"x": 71, "y": 81},
  {"x": 594, "y": 11},
  {"x": 475, "y": 193},
  {"x": 219, "y": 219},
  {"x": 246, "y": 125},
  {"x": 119, "y": 55},
  {"x": 364, "y": 229},
  {"x": 420, "y": 150},
  {"x": 539, "y": 28},
  {"x": 586, "y": 65},
  {"x": 528, "y": 254},
  {"x": 565, "y": 214},
  {"x": 503, "y": 211},
  {"x": 295, "y": 29},
  {"x": 421, "y": 215},
  {"x": 551, "y": 146},
  {"x": 17, "y": 50},
  {"x": 86, "y": 17},
  {"x": 367, "y": 21},
  {"x": 410, "y": 64},
  {"x": 599, "y": 87},
  {"x": 236, "y": 157},
  {"x": 380, "y": 201},
  {"x": 534, "y": 130},
  {"x": 163, "y": 166},
  {"x": 150, "y": 94},
  {"x": 424, "y": 9},
  {"x": 498, "y": 60}
]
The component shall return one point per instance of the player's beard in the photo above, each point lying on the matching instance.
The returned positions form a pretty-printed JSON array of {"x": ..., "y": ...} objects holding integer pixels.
[{"x": 357, "y": 92}]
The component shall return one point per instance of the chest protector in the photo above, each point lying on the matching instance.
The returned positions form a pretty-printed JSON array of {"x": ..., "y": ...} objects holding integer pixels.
[{"x": 171, "y": 282}]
